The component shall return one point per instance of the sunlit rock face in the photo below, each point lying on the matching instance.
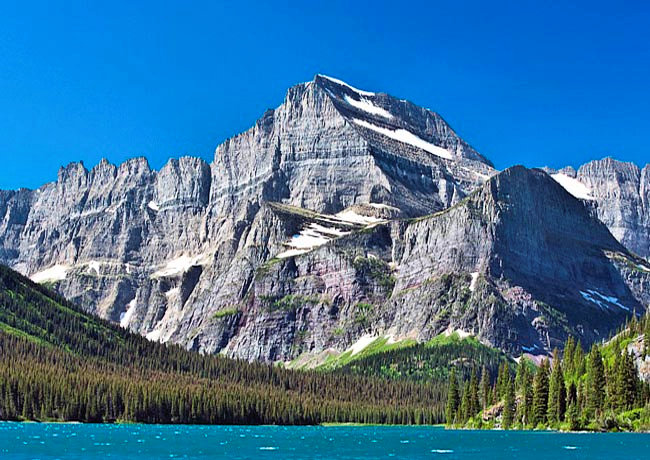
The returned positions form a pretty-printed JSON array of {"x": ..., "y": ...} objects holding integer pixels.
[{"x": 342, "y": 214}]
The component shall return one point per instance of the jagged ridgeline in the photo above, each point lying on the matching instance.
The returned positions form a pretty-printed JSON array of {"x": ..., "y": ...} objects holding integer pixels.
[
  {"x": 59, "y": 363},
  {"x": 341, "y": 218}
]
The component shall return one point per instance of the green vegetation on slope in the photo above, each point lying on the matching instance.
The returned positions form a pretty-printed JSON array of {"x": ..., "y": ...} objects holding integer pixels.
[
  {"x": 58, "y": 363},
  {"x": 599, "y": 390},
  {"x": 427, "y": 362}
]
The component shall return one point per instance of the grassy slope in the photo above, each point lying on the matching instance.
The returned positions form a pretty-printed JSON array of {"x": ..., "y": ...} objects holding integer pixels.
[{"x": 408, "y": 360}]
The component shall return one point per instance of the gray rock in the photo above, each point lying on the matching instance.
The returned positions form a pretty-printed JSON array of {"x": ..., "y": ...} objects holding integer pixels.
[
  {"x": 621, "y": 199},
  {"x": 187, "y": 254}
]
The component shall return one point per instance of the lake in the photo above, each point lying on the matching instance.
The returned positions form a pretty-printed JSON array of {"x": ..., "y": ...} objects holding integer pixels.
[{"x": 142, "y": 442}]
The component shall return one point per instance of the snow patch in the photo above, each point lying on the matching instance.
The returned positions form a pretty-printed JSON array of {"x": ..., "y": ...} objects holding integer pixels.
[
  {"x": 180, "y": 265},
  {"x": 313, "y": 236},
  {"x": 316, "y": 235},
  {"x": 126, "y": 316},
  {"x": 153, "y": 205},
  {"x": 367, "y": 106},
  {"x": 95, "y": 265},
  {"x": 573, "y": 186},
  {"x": 383, "y": 206},
  {"x": 355, "y": 218},
  {"x": 292, "y": 253},
  {"x": 342, "y": 83},
  {"x": 362, "y": 343},
  {"x": 154, "y": 336},
  {"x": 407, "y": 137},
  {"x": 57, "y": 272},
  {"x": 472, "y": 284},
  {"x": 602, "y": 300},
  {"x": 461, "y": 333},
  {"x": 328, "y": 230},
  {"x": 308, "y": 239}
]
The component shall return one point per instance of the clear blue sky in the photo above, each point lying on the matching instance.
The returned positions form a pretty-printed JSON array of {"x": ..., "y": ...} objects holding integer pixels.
[{"x": 523, "y": 83}]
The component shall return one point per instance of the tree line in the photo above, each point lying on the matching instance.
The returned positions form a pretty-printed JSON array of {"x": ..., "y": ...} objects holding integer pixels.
[
  {"x": 59, "y": 363},
  {"x": 574, "y": 390}
]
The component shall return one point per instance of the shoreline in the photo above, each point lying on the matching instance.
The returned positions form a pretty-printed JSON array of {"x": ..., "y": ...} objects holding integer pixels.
[{"x": 325, "y": 425}]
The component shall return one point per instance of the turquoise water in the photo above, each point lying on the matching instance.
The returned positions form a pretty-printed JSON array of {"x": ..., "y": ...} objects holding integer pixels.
[{"x": 143, "y": 442}]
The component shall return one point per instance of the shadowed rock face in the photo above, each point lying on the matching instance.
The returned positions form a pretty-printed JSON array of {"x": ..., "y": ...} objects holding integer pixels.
[
  {"x": 187, "y": 254},
  {"x": 620, "y": 196}
]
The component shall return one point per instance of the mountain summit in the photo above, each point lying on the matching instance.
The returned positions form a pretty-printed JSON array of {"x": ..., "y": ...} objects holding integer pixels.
[{"x": 339, "y": 217}]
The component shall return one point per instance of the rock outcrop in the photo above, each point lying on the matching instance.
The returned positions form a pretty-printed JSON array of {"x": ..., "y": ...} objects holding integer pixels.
[
  {"x": 620, "y": 195},
  {"x": 520, "y": 264}
]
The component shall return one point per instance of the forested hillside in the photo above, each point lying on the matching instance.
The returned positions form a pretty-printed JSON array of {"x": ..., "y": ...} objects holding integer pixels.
[
  {"x": 58, "y": 363},
  {"x": 599, "y": 389}
]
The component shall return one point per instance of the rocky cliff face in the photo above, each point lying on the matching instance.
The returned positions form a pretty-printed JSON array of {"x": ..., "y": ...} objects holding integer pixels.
[
  {"x": 620, "y": 195},
  {"x": 520, "y": 264},
  {"x": 163, "y": 251},
  {"x": 306, "y": 233}
]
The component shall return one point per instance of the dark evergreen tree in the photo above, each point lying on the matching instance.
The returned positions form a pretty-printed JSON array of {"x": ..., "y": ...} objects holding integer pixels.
[
  {"x": 557, "y": 391},
  {"x": 485, "y": 388},
  {"x": 595, "y": 383},
  {"x": 509, "y": 404},
  {"x": 540, "y": 394},
  {"x": 474, "y": 404},
  {"x": 453, "y": 398}
]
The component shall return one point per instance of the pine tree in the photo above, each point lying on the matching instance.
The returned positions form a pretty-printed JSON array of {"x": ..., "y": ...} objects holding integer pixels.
[
  {"x": 509, "y": 404},
  {"x": 595, "y": 383},
  {"x": 465, "y": 404},
  {"x": 523, "y": 387},
  {"x": 572, "y": 416},
  {"x": 453, "y": 399},
  {"x": 557, "y": 391},
  {"x": 502, "y": 379},
  {"x": 646, "y": 335},
  {"x": 474, "y": 405},
  {"x": 485, "y": 388},
  {"x": 578, "y": 360},
  {"x": 627, "y": 382},
  {"x": 540, "y": 394},
  {"x": 567, "y": 354}
]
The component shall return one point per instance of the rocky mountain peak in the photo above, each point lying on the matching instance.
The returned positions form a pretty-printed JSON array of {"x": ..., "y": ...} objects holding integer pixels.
[{"x": 340, "y": 214}]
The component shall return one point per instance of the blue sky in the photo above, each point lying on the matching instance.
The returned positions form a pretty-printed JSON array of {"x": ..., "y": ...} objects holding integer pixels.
[{"x": 556, "y": 85}]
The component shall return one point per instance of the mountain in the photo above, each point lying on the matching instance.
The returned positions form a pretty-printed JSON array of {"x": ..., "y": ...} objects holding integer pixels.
[
  {"x": 620, "y": 195},
  {"x": 341, "y": 218},
  {"x": 59, "y": 363},
  {"x": 520, "y": 264}
]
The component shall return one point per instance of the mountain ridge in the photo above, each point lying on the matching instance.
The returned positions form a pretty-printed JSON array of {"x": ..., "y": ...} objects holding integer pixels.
[{"x": 166, "y": 252}]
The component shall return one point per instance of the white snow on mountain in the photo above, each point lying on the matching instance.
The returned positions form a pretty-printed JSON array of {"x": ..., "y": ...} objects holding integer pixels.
[
  {"x": 472, "y": 284},
  {"x": 407, "y": 137},
  {"x": 573, "y": 186},
  {"x": 362, "y": 343},
  {"x": 367, "y": 106},
  {"x": 180, "y": 265},
  {"x": 353, "y": 217},
  {"x": 126, "y": 316},
  {"x": 95, "y": 265},
  {"x": 317, "y": 234},
  {"x": 309, "y": 238},
  {"x": 57, "y": 272},
  {"x": 602, "y": 300},
  {"x": 358, "y": 91}
]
